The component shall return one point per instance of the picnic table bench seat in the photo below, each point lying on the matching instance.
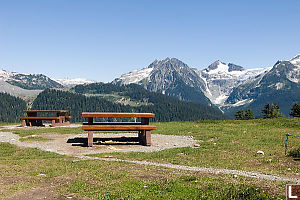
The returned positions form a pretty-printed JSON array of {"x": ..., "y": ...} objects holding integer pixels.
[
  {"x": 143, "y": 127},
  {"x": 118, "y": 127}
]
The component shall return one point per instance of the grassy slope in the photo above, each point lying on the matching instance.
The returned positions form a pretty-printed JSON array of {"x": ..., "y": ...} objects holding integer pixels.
[
  {"x": 236, "y": 144},
  {"x": 230, "y": 144},
  {"x": 25, "y": 169}
]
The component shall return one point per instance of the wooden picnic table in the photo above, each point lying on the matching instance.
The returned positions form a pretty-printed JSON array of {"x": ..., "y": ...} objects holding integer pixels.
[
  {"x": 143, "y": 127},
  {"x": 33, "y": 119}
]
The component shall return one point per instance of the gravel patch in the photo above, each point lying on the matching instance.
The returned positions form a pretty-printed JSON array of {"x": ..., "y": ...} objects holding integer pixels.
[{"x": 72, "y": 145}]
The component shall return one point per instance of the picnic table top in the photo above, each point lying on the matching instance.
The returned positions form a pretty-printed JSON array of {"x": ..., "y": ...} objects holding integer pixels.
[
  {"x": 111, "y": 114},
  {"x": 57, "y": 111}
]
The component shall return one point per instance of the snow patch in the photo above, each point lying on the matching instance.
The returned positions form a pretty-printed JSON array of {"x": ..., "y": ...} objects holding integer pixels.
[
  {"x": 242, "y": 102},
  {"x": 136, "y": 76},
  {"x": 5, "y": 75},
  {"x": 279, "y": 86},
  {"x": 74, "y": 81},
  {"x": 220, "y": 99},
  {"x": 220, "y": 68},
  {"x": 296, "y": 60}
]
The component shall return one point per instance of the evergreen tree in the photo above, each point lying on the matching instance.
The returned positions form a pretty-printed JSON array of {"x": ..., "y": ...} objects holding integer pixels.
[
  {"x": 249, "y": 114},
  {"x": 295, "y": 110},
  {"x": 165, "y": 108},
  {"x": 240, "y": 115},
  {"x": 267, "y": 110},
  {"x": 271, "y": 111},
  {"x": 11, "y": 108}
]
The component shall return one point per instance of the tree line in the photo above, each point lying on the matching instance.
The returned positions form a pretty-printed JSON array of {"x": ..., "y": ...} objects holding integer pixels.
[
  {"x": 165, "y": 108},
  {"x": 11, "y": 108},
  {"x": 268, "y": 111}
]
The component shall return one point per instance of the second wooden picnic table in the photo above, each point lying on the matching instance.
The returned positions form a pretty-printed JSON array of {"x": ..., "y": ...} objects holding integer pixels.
[{"x": 33, "y": 119}]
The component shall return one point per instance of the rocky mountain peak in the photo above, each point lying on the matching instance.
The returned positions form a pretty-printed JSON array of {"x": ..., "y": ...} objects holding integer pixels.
[
  {"x": 28, "y": 81},
  {"x": 233, "y": 67},
  {"x": 220, "y": 67},
  {"x": 167, "y": 63},
  {"x": 214, "y": 65}
]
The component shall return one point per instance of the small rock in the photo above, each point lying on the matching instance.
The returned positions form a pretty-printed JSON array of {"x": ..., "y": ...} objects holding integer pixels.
[
  {"x": 215, "y": 143},
  {"x": 41, "y": 175},
  {"x": 145, "y": 186},
  {"x": 75, "y": 161},
  {"x": 196, "y": 145},
  {"x": 260, "y": 152},
  {"x": 235, "y": 176},
  {"x": 180, "y": 154},
  {"x": 289, "y": 169}
]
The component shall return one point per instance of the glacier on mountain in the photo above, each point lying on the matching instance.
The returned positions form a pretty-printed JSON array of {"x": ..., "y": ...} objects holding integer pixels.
[
  {"x": 136, "y": 76},
  {"x": 74, "y": 81},
  {"x": 221, "y": 78}
]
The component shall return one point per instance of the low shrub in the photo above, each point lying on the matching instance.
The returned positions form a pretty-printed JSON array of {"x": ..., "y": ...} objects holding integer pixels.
[{"x": 295, "y": 153}]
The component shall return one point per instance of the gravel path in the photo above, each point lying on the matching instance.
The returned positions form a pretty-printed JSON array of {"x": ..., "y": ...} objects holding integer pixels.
[
  {"x": 202, "y": 169},
  {"x": 60, "y": 146}
]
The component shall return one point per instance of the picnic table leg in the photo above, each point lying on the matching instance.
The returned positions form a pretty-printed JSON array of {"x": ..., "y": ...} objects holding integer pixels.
[
  {"x": 23, "y": 122},
  {"x": 145, "y": 138},
  {"x": 90, "y": 138},
  {"x": 53, "y": 123}
]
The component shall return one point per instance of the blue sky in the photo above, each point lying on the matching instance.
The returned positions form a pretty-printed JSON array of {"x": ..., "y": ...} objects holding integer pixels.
[{"x": 100, "y": 40}]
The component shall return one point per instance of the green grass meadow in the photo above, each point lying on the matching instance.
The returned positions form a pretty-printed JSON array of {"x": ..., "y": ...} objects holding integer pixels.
[{"x": 230, "y": 144}]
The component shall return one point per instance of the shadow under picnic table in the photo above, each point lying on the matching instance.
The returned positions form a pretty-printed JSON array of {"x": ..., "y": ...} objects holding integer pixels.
[{"x": 82, "y": 141}]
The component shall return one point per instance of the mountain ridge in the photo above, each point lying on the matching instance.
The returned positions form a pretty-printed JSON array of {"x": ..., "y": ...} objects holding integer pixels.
[{"x": 227, "y": 86}]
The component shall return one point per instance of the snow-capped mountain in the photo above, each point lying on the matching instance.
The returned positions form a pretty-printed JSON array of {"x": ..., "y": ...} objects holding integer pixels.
[
  {"x": 28, "y": 81},
  {"x": 74, "y": 81},
  {"x": 168, "y": 76},
  {"x": 221, "y": 78},
  {"x": 171, "y": 77},
  {"x": 279, "y": 84}
]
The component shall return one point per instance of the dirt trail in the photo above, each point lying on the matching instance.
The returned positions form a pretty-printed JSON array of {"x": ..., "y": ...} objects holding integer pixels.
[{"x": 159, "y": 142}]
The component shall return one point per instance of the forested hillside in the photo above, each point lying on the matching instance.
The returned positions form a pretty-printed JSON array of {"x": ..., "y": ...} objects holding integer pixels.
[
  {"x": 166, "y": 108},
  {"x": 11, "y": 108}
]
